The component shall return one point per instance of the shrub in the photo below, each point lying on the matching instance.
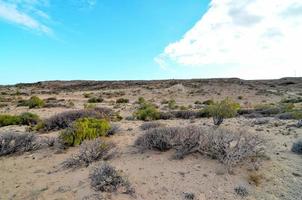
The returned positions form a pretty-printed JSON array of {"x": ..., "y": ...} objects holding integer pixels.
[
  {"x": 197, "y": 102},
  {"x": 6, "y": 120},
  {"x": 228, "y": 147},
  {"x": 156, "y": 139},
  {"x": 113, "y": 129},
  {"x": 3, "y": 105},
  {"x": 208, "y": 102},
  {"x": 292, "y": 100},
  {"x": 166, "y": 115},
  {"x": 189, "y": 196},
  {"x": 105, "y": 178},
  {"x": 149, "y": 125},
  {"x": 90, "y": 151},
  {"x": 35, "y": 102},
  {"x": 95, "y": 100},
  {"x": 17, "y": 143},
  {"x": 255, "y": 178},
  {"x": 164, "y": 101},
  {"x": 85, "y": 128},
  {"x": 122, "y": 100},
  {"x": 241, "y": 191},
  {"x": 29, "y": 119},
  {"x": 87, "y": 95},
  {"x": 65, "y": 119},
  {"x": 172, "y": 104},
  {"x": 297, "y": 114},
  {"x": 185, "y": 114},
  {"x": 146, "y": 112},
  {"x": 223, "y": 109},
  {"x": 141, "y": 100},
  {"x": 23, "y": 119},
  {"x": 297, "y": 147},
  {"x": 89, "y": 106}
]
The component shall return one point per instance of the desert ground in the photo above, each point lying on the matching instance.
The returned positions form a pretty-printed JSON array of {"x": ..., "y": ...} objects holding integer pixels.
[{"x": 152, "y": 174}]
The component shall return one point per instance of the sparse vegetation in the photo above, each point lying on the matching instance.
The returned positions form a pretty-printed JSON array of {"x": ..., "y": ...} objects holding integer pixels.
[
  {"x": 95, "y": 100},
  {"x": 105, "y": 178},
  {"x": 90, "y": 151},
  {"x": 122, "y": 100},
  {"x": 65, "y": 119},
  {"x": 146, "y": 111},
  {"x": 85, "y": 129},
  {"x": 150, "y": 125}
]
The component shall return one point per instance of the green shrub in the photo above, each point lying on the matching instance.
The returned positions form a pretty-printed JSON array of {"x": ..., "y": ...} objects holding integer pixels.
[
  {"x": 292, "y": 100},
  {"x": 197, "y": 102},
  {"x": 223, "y": 109},
  {"x": 89, "y": 106},
  {"x": 141, "y": 100},
  {"x": 7, "y": 120},
  {"x": 33, "y": 102},
  {"x": 172, "y": 104},
  {"x": 164, "y": 101},
  {"x": 83, "y": 129},
  {"x": 95, "y": 100},
  {"x": 87, "y": 95},
  {"x": 122, "y": 100},
  {"x": 29, "y": 119},
  {"x": 147, "y": 112},
  {"x": 23, "y": 119},
  {"x": 297, "y": 114}
]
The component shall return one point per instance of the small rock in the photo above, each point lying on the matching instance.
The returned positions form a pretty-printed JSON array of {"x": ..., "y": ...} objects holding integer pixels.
[{"x": 296, "y": 174}]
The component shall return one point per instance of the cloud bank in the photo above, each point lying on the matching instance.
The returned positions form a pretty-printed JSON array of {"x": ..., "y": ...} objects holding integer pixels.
[{"x": 257, "y": 38}]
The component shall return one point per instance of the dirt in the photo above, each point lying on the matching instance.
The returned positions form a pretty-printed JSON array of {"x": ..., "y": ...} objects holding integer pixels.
[{"x": 156, "y": 175}]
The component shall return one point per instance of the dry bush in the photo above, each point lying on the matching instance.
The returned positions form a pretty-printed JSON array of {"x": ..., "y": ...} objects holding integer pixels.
[
  {"x": 106, "y": 178},
  {"x": 150, "y": 125},
  {"x": 90, "y": 151},
  {"x": 255, "y": 178},
  {"x": 297, "y": 147},
  {"x": 113, "y": 130},
  {"x": 65, "y": 119},
  {"x": 241, "y": 190},
  {"x": 184, "y": 114},
  {"x": 17, "y": 143},
  {"x": 229, "y": 147}
]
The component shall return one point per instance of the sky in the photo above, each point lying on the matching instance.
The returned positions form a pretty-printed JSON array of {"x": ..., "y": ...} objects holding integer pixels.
[{"x": 144, "y": 39}]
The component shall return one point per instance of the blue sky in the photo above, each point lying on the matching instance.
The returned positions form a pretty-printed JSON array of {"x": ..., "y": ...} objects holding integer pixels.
[
  {"x": 107, "y": 40},
  {"x": 149, "y": 39}
]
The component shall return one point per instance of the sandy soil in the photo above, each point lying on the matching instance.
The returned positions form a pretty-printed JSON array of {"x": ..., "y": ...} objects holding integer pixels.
[{"x": 155, "y": 175}]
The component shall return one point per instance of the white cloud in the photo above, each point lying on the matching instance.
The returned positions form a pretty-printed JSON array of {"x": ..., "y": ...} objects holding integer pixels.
[
  {"x": 25, "y": 13},
  {"x": 259, "y": 38}
]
